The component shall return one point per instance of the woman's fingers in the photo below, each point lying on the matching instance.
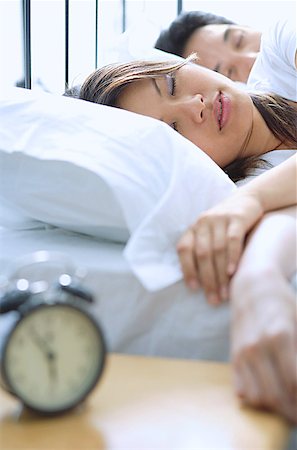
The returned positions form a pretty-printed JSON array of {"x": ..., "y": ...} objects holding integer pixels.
[
  {"x": 204, "y": 260},
  {"x": 220, "y": 255},
  {"x": 255, "y": 380},
  {"x": 264, "y": 350},
  {"x": 259, "y": 382},
  {"x": 210, "y": 250},
  {"x": 218, "y": 244},
  {"x": 207, "y": 250},
  {"x": 235, "y": 239},
  {"x": 186, "y": 253},
  {"x": 286, "y": 402},
  {"x": 286, "y": 363},
  {"x": 250, "y": 390},
  {"x": 196, "y": 259}
]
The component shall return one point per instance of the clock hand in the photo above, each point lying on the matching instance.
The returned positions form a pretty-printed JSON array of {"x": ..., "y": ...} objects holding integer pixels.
[
  {"x": 42, "y": 344},
  {"x": 51, "y": 357},
  {"x": 48, "y": 353}
]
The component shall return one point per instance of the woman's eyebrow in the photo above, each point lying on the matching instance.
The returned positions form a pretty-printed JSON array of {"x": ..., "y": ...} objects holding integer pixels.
[{"x": 156, "y": 87}]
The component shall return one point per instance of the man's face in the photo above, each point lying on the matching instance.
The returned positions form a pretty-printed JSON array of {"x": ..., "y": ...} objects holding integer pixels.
[{"x": 228, "y": 49}]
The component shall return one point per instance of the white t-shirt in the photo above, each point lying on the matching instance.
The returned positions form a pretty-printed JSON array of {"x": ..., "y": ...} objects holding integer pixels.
[{"x": 274, "y": 69}]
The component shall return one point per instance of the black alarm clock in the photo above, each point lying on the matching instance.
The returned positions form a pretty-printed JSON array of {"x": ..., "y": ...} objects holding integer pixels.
[{"x": 53, "y": 353}]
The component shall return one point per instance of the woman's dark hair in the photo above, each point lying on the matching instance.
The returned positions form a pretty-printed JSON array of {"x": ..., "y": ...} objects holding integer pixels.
[
  {"x": 174, "y": 39},
  {"x": 281, "y": 119},
  {"x": 106, "y": 84}
]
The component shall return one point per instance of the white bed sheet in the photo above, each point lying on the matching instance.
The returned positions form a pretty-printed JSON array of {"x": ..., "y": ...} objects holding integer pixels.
[{"x": 172, "y": 322}]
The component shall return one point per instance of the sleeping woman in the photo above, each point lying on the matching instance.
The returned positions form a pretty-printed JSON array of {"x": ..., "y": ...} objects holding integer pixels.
[{"x": 235, "y": 129}]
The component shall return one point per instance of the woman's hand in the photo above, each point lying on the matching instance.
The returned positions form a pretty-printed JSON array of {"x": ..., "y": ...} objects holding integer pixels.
[
  {"x": 264, "y": 342},
  {"x": 264, "y": 316},
  {"x": 209, "y": 251}
]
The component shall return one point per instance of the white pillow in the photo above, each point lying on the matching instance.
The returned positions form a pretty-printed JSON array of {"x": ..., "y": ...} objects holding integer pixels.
[
  {"x": 72, "y": 164},
  {"x": 137, "y": 42},
  {"x": 196, "y": 184},
  {"x": 107, "y": 173}
]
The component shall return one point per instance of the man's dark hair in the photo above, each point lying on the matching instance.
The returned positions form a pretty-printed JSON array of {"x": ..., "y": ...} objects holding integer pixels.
[{"x": 174, "y": 39}]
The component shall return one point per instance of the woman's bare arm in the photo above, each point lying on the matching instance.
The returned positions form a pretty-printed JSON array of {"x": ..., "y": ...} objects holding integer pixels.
[
  {"x": 264, "y": 318},
  {"x": 275, "y": 188},
  {"x": 209, "y": 251}
]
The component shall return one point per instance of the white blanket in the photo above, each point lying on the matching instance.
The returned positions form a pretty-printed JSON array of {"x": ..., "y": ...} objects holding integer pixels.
[{"x": 172, "y": 322}]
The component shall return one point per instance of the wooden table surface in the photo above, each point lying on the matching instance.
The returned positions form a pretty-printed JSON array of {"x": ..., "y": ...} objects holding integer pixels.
[{"x": 149, "y": 403}]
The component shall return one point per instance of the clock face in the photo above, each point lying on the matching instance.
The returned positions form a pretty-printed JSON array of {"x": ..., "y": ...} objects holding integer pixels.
[{"x": 54, "y": 357}]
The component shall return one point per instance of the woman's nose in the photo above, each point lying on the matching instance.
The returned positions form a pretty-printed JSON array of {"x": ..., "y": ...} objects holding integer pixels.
[{"x": 193, "y": 107}]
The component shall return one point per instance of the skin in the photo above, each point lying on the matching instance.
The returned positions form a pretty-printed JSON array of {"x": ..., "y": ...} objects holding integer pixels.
[
  {"x": 209, "y": 251},
  {"x": 228, "y": 49},
  {"x": 263, "y": 313},
  {"x": 211, "y": 248},
  {"x": 264, "y": 317},
  {"x": 190, "y": 110}
]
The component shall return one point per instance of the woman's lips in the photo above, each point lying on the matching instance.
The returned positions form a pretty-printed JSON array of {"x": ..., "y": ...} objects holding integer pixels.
[{"x": 222, "y": 109}]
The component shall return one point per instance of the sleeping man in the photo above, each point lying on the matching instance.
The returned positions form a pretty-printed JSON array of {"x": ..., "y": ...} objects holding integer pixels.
[{"x": 221, "y": 44}]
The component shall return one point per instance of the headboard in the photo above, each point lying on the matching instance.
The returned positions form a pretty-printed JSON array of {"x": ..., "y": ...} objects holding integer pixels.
[{"x": 26, "y": 34}]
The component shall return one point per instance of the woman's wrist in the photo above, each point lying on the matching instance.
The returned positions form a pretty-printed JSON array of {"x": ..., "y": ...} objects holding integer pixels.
[
  {"x": 253, "y": 279},
  {"x": 255, "y": 197},
  {"x": 271, "y": 245},
  {"x": 270, "y": 254}
]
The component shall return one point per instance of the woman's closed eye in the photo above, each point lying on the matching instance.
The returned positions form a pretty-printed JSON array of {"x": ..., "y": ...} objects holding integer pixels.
[
  {"x": 171, "y": 86},
  {"x": 171, "y": 83}
]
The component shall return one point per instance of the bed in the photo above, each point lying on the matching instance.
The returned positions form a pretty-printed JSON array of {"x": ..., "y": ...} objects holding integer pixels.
[
  {"x": 113, "y": 203},
  {"x": 169, "y": 322},
  {"x": 103, "y": 186}
]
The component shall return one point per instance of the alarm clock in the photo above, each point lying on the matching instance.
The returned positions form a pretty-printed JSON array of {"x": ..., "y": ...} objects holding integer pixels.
[{"x": 53, "y": 352}]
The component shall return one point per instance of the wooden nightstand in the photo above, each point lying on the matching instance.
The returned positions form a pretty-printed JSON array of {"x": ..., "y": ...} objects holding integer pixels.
[{"x": 149, "y": 403}]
